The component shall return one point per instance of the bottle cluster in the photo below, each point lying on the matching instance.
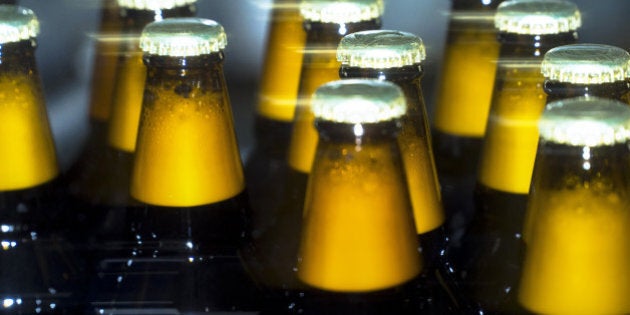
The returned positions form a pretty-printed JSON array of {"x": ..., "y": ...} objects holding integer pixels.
[{"x": 513, "y": 200}]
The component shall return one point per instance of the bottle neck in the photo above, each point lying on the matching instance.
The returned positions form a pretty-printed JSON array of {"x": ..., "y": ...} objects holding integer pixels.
[
  {"x": 27, "y": 150},
  {"x": 18, "y": 58},
  {"x": 134, "y": 20},
  {"x": 186, "y": 154},
  {"x": 357, "y": 133},
  {"x": 532, "y": 46},
  {"x": 475, "y": 5},
  {"x": 408, "y": 78},
  {"x": 331, "y": 33},
  {"x": 557, "y": 90}
]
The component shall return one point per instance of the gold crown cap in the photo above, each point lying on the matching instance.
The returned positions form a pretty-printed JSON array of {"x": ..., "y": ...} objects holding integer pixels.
[
  {"x": 537, "y": 17},
  {"x": 585, "y": 121},
  {"x": 356, "y": 101},
  {"x": 183, "y": 37},
  {"x": 586, "y": 64},
  {"x": 17, "y": 24},
  {"x": 380, "y": 49},
  {"x": 341, "y": 11},
  {"x": 153, "y": 4}
]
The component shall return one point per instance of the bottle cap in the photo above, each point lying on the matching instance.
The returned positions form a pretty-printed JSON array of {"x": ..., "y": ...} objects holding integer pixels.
[
  {"x": 537, "y": 17},
  {"x": 586, "y": 64},
  {"x": 341, "y": 11},
  {"x": 585, "y": 121},
  {"x": 17, "y": 24},
  {"x": 356, "y": 101},
  {"x": 153, "y": 4},
  {"x": 182, "y": 37},
  {"x": 380, "y": 49}
]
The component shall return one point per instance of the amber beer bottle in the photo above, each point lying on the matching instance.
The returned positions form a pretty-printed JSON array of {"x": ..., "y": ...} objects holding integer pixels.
[
  {"x": 578, "y": 251},
  {"x": 103, "y": 195},
  {"x": 187, "y": 174},
  {"x": 462, "y": 105},
  {"x": 265, "y": 166},
  {"x": 584, "y": 70},
  {"x": 99, "y": 183},
  {"x": 325, "y": 22},
  {"x": 358, "y": 252},
  {"x": 397, "y": 57},
  {"x": 40, "y": 272},
  {"x": 493, "y": 245}
]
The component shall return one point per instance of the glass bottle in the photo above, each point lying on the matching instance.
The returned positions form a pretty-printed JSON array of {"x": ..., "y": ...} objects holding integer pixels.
[
  {"x": 462, "y": 105},
  {"x": 397, "y": 57},
  {"x": 187, "y": 174},
  {"x": 492, "y": 249},
  {"x": 103, "y": 195},
  {"x": 584, "y": 70},
  {"x": 325, "y": 22},
  {"x": 577, "y": 256},
  {"x": 265, "y": 166},
  {"x": 358, "y": 250},
  {"x": 40, "y": 271}
]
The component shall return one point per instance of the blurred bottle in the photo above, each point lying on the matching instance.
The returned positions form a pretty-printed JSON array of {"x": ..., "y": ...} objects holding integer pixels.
[
  {"x": 40, "y": 272},
  {"x": 358, "y": 252},
  {"x": 397, "y": 57},
  {"x": 326, "y": 22},
  {"x": 577, "y": 257},
  {"x": 492, "y": 247},
  {"x": 266, "y": 165},
  {"x": 584, "y": 70},
  {"x": 188, "y": 175},
  {"x": 462, "y": 105},
  {"x": 91, "y": 182}
]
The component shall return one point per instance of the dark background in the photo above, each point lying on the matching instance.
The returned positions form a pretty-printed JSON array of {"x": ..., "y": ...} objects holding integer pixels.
[{"x": 68, "y": 27}]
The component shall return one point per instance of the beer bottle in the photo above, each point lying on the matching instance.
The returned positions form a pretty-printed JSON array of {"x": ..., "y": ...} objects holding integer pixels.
[
  {"x": 584, "y": 70},
  {"x": 40, "y": 272},
  {"x": 397, "y": 57},
  {"x": 326, "y": 22},
  {"x": 358, "y": 249},
  {"x": 492, "y": 249},
  {"x": 462, "y": 106},
  {"x": 187, "y": 174},
  {"x": 578, "y": 251},
  {"x": 104, "y": 197},
  {"x": 265, "y": 167}
]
